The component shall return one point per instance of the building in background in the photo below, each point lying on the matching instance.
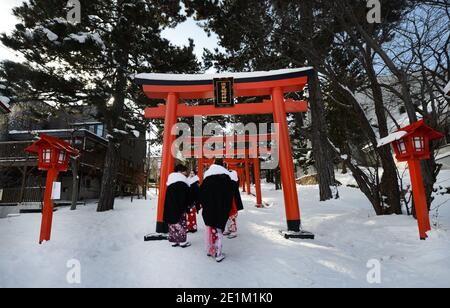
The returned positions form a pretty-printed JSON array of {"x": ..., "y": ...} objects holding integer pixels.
[{"x": 21, "y": 182}]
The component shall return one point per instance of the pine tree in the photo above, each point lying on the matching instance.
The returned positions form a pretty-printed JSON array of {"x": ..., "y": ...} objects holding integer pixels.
[
  {"x": 335, "y": 48},
  {"x": 253, "y": 34},
  {"x": 328, "y": 35},
  {"x": 92, "y": 62}
]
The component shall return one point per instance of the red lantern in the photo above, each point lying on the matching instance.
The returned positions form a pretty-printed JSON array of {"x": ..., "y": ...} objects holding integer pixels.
[
  {"x": 54, "y": 155},
  {"x": 412, "y": 144},
  {"x": 413, "y": 141}
]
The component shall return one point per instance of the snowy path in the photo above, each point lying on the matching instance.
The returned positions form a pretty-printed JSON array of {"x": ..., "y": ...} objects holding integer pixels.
[{"x": 112, "y": 252}]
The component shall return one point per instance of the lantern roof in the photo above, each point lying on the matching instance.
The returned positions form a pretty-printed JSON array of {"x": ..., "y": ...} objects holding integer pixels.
[
  {"x": 417, "y": 128},
  {"x": 53, "y": 143},
  {"x": 421, "y": 128}
]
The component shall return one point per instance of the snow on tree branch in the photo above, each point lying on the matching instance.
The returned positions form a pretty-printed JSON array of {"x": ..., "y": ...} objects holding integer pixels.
[
  {"x": 447, "y": 90},
  {"x": 82, "y": 37}
]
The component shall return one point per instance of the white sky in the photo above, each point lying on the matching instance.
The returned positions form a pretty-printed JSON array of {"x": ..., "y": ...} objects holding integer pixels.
[
  {"x": 178, "y": 36},
  {"x": 189, "y": 29},
  {"x": 7, "y": 22}
]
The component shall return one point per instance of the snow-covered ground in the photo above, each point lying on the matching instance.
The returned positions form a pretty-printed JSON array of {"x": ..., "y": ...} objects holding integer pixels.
[{"x": 112, "y": 253}]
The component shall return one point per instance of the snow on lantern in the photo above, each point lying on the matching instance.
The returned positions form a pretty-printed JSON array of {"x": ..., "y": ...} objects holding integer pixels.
[
  {"x": 412, "y": 144},
  {"x": 54, "y": 155}
]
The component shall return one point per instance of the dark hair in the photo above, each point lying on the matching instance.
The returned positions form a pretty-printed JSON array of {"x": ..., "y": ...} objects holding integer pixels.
[
  {"x": 181, "y": 168},
  {"x": 219, "y": 161}
]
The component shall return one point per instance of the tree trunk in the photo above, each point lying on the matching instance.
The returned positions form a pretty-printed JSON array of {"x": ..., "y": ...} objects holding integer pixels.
[
  {"x": 366, "y": 187},
  {"x": 389, "y": 181},
  {"x": 109, "y": 179},
  {"x": 269, "y": 176},
  {"x": 277, "y": 180},
  {"x": 344, "y": 168},
  {"x": 147, "y": 178},
  {"x": 114, "y": 115},
  {"x": 75, "y": 182},
  {"x": 3, "y": 127},
  {"x": 390, "y": 187},
  {"x": 321, "y": 153},
  {"x": 24, "y": 182},
  {"x": 430, "y": 171}
]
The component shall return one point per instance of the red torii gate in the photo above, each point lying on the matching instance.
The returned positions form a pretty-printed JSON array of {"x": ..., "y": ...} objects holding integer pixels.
[
  {"x": 172, "y": 88},
  {"x": 230, "y": 155},
  {"x": 243, "y": 173}
]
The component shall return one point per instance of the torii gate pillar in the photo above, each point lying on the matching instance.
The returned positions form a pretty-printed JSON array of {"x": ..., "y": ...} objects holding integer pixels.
[
  {"x": 247, "y": 176},
  {"x": 286, "y": 164},
  {"x": 168, "y": 160},
  {"x": 257, "y": 172}
]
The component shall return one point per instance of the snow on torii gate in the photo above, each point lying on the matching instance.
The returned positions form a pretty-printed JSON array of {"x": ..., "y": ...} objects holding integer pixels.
[{"x": 172, "y": 88}]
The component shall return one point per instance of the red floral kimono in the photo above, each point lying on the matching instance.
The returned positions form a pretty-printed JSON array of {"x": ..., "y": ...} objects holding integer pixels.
[{"x": 191, "y": 216}]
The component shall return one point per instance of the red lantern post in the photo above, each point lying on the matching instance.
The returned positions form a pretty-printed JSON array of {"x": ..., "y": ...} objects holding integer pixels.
[
  {"x": 412, "y": 144},
  {"x": 54, "y": 155}
]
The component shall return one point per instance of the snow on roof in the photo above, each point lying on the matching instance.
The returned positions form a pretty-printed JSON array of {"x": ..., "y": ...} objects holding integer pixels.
[
  {"x": 207, "y": 77},
  {"x": 52, "y": 131},
  {"x": 447, "y": 89},
  {"x": 4, "y": 104},
  {"x": 5, "y": 101},
  {"x": 118, "y": 131},
  {"x": 14, "y": 132},
  {"x": 87, "y": 123},
  {"x": 391, "y": 138},
  {"x": 442, "y": 156}
]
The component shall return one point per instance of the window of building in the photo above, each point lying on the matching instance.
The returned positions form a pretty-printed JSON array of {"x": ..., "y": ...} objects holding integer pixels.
[{"x": 100, "y": 130}]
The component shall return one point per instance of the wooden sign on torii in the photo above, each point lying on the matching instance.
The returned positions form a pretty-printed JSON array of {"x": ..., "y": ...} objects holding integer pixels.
[{"x": 172, "y": 88}]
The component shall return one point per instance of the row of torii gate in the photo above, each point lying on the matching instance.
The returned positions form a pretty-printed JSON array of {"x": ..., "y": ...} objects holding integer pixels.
[
  {"x": 242, "y": 167},
  {"x": 224, "y": 88},
  {"x": 239, "y": 159}
]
